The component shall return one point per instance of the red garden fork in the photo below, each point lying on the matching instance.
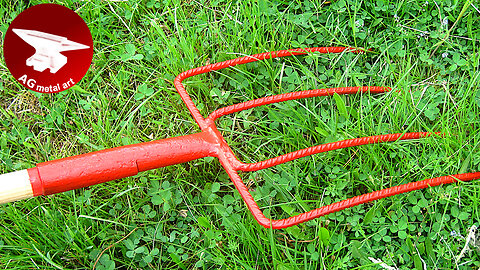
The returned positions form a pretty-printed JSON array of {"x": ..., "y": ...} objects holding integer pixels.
[{"x": 115, "y": 163}]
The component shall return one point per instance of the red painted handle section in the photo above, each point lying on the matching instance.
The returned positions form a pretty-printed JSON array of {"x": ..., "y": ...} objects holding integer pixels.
[{"x": 101, "y": 166}]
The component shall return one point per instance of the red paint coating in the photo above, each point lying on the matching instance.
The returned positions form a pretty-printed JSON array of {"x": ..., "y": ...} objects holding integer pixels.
[
  {"x": 232, "y": 164},
  {"x": 101, "y": 166},
  {"x": 115, "y": 163},
  {"x": 37, "y": 186},
  {"x": 238, "y": 165},
  {"x": 295, "y": 95}
]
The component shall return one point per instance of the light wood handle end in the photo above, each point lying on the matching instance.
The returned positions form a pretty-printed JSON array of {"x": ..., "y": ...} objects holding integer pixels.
[{"x": 15, "y": 186}]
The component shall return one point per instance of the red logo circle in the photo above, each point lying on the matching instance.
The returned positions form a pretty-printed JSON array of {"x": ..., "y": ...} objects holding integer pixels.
[{"x": 48, "y": 48}]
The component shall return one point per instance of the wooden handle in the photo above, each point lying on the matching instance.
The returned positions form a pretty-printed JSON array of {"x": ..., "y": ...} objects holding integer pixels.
[{"x": 15, "y": 186}]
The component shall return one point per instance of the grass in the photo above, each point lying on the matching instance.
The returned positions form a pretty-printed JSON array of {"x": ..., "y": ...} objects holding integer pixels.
[{"x": 189, "y": 216}]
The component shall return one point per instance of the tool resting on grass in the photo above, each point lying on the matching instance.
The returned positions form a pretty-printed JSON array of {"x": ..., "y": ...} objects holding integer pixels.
[{"x": 101, "y": 166}]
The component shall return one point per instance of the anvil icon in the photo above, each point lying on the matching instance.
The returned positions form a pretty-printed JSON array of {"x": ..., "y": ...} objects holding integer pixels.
[{"x": 47, "y": 49}]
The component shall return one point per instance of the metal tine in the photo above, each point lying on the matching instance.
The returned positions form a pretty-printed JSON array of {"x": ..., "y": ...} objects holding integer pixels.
[
  {"x": 239, "y": 61},
  {"x": 248, "y": 167},
  {"x": 232, "y": 164},
  {"x": 238, "y": 165},
  {"x": 292, "y": 96},
  {"x": 364, "y": 198}
]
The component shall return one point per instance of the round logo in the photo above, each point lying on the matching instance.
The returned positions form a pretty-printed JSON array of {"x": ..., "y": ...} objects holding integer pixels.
[{"x": 48, "y": 48}]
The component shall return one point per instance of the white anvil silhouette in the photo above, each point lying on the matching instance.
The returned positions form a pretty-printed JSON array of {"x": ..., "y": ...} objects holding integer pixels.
[{"x": 47, "y": 49}]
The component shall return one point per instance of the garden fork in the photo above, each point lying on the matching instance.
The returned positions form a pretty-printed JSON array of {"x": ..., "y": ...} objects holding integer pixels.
[{"x": 101, "y": 166}]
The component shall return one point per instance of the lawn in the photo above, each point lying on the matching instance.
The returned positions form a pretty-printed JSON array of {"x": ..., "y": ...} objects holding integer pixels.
[{"x": 190, "y": 216}]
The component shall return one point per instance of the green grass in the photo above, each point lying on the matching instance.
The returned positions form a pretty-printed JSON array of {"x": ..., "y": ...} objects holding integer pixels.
[{"x": 189, "y": 216}]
